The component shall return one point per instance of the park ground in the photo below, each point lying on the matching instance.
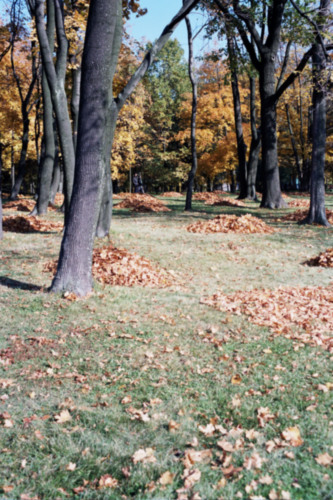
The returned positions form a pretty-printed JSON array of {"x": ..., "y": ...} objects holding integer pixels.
[{"x": 148, "y": 393}]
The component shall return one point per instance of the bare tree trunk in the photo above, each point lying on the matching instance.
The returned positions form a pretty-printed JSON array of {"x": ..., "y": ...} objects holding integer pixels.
[
  {"x": 194, "y": 156},
  {"x": 317, "y": 212},
  {"x": 293, "y": 144},
  {"x": 241, "y": 146},
  {"x": 252, "y": 166},
  {"x": 75, "y": 101}
]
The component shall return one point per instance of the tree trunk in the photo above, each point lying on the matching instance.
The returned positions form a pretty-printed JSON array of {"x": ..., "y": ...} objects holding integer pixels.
[
  {"x": 241, "y": 146},
  {"x": 272, "y": 197},
  {"x": 194, "y": 156},
  {"x": 47, "y": 164},
  {"x": 1, "y": 230},
  {"x": 56, "y": 81},
  {"x": 56, "y": 176},
  {"x": 293, "y": 144},
  {"x": 252, "y": 166},
  {"x": 22, "y": 163},
  {"x": 100, "y": 56},
  {"x": 75, "y": 101},
  {"x": 317, "y": 212}
]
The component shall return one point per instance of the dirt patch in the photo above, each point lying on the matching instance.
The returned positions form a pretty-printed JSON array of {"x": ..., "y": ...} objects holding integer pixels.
[
  {"x": 114, "y": 266},
  {"x": 300, "y": 215},
  {"x": 142, "y": 203},
  {"x": 309, "y": 310},
  {"x": 246, "y": 224},
  {"x": 324, "y": 259},
  {"x": 20, "y": 224}
]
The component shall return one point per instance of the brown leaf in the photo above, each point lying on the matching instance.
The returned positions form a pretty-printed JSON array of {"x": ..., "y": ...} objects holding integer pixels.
[
  {"x": 63, "y": 417},
  {"x": 144, "y": 455},
  {"x": 166, "y": 478},
  {"x": 293, "y": 436},
  {"x": 324, "y": 459}
]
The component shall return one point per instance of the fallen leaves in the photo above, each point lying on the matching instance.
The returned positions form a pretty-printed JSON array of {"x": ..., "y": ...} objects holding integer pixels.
[
  {"x": 324, "y": 259},
  {"x": 300, "y": 215},
  {"x": 114, "y": 266},
  {"x": 246, "y": 224},
  {"x": 171, "y": 194},
  {"x": 309, "y": 308},
  {"x": 63, "y": 417},
  {"x": 144, "y": 456},
  {"x": 293, "y": 436},
  {"x": 324, "y": 459},
  {"x": 107, "y": 481},
  {"x": 142, "y": 203},
  {"x": 30, "y": 224}
]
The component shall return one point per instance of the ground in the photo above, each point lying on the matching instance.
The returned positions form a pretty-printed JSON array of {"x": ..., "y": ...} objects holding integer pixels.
[{"x": 149, "y": 393}]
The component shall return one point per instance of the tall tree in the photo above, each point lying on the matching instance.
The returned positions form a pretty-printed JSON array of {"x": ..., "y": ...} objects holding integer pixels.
[
  {"x": 194, "y": 84},
  {"x": 263, "y": 55},
  {"x": 97, "y": 122},
  {"x": 317, "y": 213}
]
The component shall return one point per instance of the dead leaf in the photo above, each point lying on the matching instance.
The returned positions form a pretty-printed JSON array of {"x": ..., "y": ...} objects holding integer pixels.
[
  {"x": 293, "y": 436},
  {"x": 63, "y": 417},
  {"x": 107, "y": 481},
  {"x": 166, "y": 478},
  {"x": 144, "y": 455},
  {"x": 324, "y": 459}
]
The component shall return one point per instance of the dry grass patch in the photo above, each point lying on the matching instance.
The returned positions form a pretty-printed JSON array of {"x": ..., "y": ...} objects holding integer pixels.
[
  {"x": 324, "y": 259},
  {"x": 29, "y": 224},
  {"x": 310, "y": 309},
  {"x": 142, "y": 203},
  {"x": 114, "y": 266},
  {"x": 246, "y": 224}
]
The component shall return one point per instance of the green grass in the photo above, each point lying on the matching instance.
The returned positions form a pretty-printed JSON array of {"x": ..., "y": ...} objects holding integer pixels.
[{"x": 86, "y": 356}]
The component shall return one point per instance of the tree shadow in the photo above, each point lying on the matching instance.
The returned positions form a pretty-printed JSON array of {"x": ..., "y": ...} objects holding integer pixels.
[{"x": 10, "y": 283}]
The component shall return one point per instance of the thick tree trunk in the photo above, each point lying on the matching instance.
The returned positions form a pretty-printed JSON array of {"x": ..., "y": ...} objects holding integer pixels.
[
  {"x": 241, "y": 146},
  {"x": 317, "y": 212},
  {"x": 22, "y": 163},
  {"x": 194, "y": 156},
  {"x": 272, "y": 197},
  {"x": 100, "y": 56}
]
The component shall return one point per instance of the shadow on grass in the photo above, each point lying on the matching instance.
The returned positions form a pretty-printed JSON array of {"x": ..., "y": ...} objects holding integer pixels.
[{"x": 10, "y": 283}]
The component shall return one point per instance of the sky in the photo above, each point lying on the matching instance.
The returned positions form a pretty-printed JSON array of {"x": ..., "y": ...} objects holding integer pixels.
[{"x": 160, "y": 13}]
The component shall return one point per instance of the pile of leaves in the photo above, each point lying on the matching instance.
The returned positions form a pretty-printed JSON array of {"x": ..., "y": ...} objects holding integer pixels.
[
  {"x": 142, "y": 203},
  {"x": 171, "y": 194},
  {"x": 299, "y": 203},
  {"x": 324, "y": 259},
  {"x": 59, "y": 199},
  {"x": 300, "y": 215},
  {"x": 209, "y": 198},
  {"x": 310, "y": 309},
  {"x": 30, "y": 224},
  {"x": 114, "y": 266},
  {"x": 226, "y": 202},
  {"x": 120, "y": 196},
  {"x": 21, "y": 205},
  {"x": 246, "y": 224}
]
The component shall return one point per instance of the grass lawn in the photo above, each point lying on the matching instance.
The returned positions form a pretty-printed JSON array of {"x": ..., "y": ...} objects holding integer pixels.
[{"x": 146, "y": 393}]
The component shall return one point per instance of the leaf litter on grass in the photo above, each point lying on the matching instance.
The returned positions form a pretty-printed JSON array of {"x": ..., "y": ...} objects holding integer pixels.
[
  {"x": 29, "y": 224},
  {"x": 300, "y": 215},
  {"x": 142, "y": 203},
  {"x": 114, "y": 266},
  {"x": 324, "y": 259},
  {"x": 310, "y": 309},
  {"x": 246, "y": 224}
]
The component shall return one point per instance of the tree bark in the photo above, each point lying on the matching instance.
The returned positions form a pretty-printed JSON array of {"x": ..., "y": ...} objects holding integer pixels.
[
  {"x": 56, "y": 81},
  {"x": 1, "y": 230},
  {"x": 100, "y": 56},
  {"x": 317, "y": 212},
  {"x": 194, "y": 156},
  {"x": 75, "y": 100},
  {"x": 241, "y": 146},
  {"x": 47, "y": 164},
  {"x": 252, "y": 166}
]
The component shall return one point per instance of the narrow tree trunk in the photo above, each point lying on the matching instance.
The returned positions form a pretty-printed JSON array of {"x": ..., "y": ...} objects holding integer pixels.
[
  {"x": 75, "y": 101},
  {"x": 272, "y": 197},
  {"x": 241, "y": 146},
  {"x": 56, "y": 176},
  {"x": 1, "y": 230},
  {"x": 100, "y": 56},
  {"x": 293, "y": 144},
  {"x": 252, "y": 166},
  {"x": 194, "y": 156},
  {"x": 47, "y": 164},
  {"x": 22, "y": 163}
]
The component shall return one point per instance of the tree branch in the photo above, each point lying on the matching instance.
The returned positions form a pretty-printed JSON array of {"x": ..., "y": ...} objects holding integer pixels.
[
  {"x": 157, "y": 46},
  {"x": 314, "y": 24},
  {"x": 291, "y": 78},
  {"x": 284, "y": 64}
]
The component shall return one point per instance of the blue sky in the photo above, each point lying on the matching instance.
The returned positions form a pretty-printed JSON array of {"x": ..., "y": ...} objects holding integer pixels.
[{"x": 160, "y": 12}]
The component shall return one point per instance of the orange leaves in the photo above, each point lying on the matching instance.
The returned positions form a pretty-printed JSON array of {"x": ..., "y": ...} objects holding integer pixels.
[
  {"x": 324, "y": 459},
  {"x": 300, "y": 215},
  {"x": 113, "y": 266},
  {"x": 143, "y": 203},
  {"x": 309, "y": 308},
  {"x": 324, "y": 259},
  {"x": 246, "y": 224},
  {"x": 19, "y": 224},
  {"x": 264, "y": 416},
  {"x": 293, "y": 436}
]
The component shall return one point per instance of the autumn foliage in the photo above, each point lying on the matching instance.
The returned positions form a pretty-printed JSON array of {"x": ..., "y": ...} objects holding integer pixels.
[
  {"x": 246, "y": 224},
  {"x": 142, "y": 203}
]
